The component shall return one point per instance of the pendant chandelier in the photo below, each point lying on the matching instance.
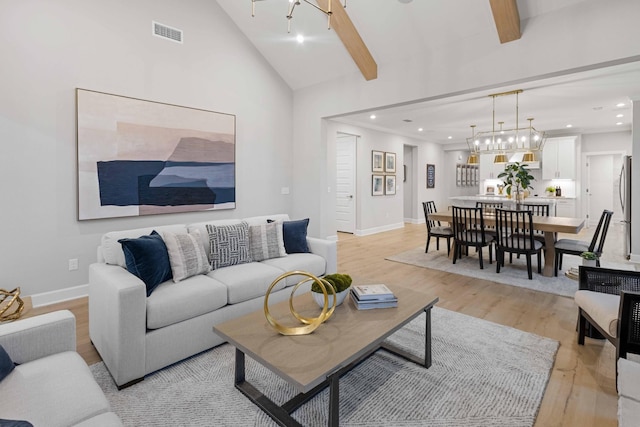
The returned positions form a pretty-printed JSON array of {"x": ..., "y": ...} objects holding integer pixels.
[
  {"x": 503, "y": 142},
  {"x": 292, "y": 6}
]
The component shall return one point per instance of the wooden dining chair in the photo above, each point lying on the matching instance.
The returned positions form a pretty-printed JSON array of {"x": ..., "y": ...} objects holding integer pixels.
[
  {"x": 468, "y": 230},
  {"x": 435, "y": 229},
  {"x": 576, "y": 247},
  {"x": 516, "y": 235},
  {"x": 489, "y": 208}
]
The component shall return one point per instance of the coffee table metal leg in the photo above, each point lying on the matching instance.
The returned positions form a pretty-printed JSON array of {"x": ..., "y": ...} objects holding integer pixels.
[
  {"x": 427, "y": 338},
  {"x": 239, "y": 366},
  {"x": 334, "y": 400}
]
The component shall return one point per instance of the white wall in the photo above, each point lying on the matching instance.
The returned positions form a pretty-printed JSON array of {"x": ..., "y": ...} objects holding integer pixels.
[
  {"x": 381, "y": 213},
  {"x": 606, "y": 142},
  {"x": 560, "y": 42},
  {"x": 50, "y": 48}
]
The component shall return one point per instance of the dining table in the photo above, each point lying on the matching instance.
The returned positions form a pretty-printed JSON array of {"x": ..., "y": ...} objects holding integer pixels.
[{"x": 549, "y": 225}]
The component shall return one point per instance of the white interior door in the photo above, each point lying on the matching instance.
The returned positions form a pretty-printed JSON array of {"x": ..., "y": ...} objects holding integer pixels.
[
  {"x": 601, "y": 186},
  {"x": 346, "y": 183}
]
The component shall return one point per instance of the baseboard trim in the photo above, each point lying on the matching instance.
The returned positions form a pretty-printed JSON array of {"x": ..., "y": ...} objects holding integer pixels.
[
  {"x": 635, "y": 258},
  {"x": 60, "y": 295},
  {"x": 381, "y": 229},
  {"x": 413, "y": 221}
]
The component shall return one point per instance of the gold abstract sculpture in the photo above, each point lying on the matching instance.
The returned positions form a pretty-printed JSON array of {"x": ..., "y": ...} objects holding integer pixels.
[
  {"x": 11, "y": 305},
  {"x": 311, "y": 323}
]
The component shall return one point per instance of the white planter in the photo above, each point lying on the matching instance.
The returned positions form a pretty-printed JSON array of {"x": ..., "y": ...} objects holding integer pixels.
[
  {"x": 340, "y": 296},
  {"x": 589, "y": 262}
]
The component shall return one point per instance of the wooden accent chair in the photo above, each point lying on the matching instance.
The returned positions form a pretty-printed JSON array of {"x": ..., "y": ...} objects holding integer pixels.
[
  {"x": 515, "y": 235},
  {"x": 468, "y": 230},
  {"x": 489, "y": 208},
  {"x": 435, "y": 229},
  {"x": 576, "y": 247},
  {"x": 609, "y": 300}
]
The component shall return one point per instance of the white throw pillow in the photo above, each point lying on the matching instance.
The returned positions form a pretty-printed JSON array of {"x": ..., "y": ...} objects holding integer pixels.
[
  {"x": 186, "y": 255},
  {"x": 266, "y": 241}
]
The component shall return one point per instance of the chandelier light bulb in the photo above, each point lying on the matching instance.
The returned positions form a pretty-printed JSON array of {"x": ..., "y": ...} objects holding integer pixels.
[{"x": 510, "y": 139}]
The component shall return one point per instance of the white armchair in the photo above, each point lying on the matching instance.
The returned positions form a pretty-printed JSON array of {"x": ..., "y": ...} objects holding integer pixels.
[{"x": 52, "y": 385}]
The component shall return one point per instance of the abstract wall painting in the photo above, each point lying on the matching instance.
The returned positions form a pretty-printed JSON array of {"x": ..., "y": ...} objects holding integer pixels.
[{"x": 138, "y": 157}]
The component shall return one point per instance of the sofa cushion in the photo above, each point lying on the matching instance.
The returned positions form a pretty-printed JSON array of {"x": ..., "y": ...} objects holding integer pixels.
[
  {"x": 602, "y": 308},
  {"x": 311, "y": 263},
  {"x": 56, "y": 390},
  {"x": 247, "y": 281},
  {"x": 229, "y": 244},
  {"x": 6, "y": 364},
  {"x": 266, "y": 241},
  {"x": 148, "y": 259},
  {"x": 186, "y": 254},
  {"x": 111, "y": 250},
  {"x": 174, "y": 302},
  {"x": 295, "y": 236}
]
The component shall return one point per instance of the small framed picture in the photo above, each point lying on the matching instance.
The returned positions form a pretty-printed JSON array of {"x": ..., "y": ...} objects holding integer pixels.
[
  {"x": 377, "y": 185},
  {"x": 390, "y": 162},
  {"x": 390, "y": 185},
  {"x": 431, "y": 176},
  {"x": 377, "y": 161}
]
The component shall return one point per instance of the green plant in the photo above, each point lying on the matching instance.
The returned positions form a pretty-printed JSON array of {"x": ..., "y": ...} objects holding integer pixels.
[
  {"x": 589, "y": 255},
  {"x": 339, "y": 281},
  {"x": 550, "y": 189},
  {"x": 516, "y": 175}
]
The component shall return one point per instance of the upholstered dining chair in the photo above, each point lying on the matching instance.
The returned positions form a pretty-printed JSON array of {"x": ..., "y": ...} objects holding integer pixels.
[
  {"x": 468, "y": 230},
  {"x": 609, "y": 300},
  {"x": 576, "y": 247},
  {"x": 435, "y": 229},
  {"x": 515, "y": 235}
]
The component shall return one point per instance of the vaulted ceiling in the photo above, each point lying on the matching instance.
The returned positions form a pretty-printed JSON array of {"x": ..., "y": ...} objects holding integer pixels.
[{"x": 395, "y": 30}]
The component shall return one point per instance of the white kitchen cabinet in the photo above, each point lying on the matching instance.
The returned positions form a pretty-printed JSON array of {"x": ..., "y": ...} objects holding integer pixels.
[
  {"x": 488, "y": 169},
  {"x": 559, "y": 158},
  {"x": 566, "y": 207}
]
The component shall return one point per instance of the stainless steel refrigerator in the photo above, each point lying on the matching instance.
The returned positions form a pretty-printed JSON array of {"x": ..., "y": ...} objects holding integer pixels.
[{"x": 625, "y": 202}]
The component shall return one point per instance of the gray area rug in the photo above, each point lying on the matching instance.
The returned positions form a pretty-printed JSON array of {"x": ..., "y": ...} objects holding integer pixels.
[
  {"x": 483, "y": 374},
  {"x": 512, "y": 274}
]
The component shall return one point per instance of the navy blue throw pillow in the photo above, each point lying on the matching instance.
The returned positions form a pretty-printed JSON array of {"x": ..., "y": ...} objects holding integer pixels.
[
  {"x": 6, "y": 364},
  {"x": 148, "y": 259},
  {"x": 15, "y": 423},
  {"x": 295, "y": 236}
]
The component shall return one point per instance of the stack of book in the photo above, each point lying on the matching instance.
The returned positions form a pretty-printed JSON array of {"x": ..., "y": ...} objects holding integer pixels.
[
  {"x": 573, "y": 273},
  {"x": 366, "y": 297}
]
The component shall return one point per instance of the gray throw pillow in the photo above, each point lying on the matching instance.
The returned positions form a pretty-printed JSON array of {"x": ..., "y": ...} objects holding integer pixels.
[
  {"x": 187, "y": 255},
  {"x": 229, "y": 244}
]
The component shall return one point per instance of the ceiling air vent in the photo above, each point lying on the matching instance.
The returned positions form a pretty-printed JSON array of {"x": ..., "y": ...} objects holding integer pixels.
[{"x": 166, "y": 32}]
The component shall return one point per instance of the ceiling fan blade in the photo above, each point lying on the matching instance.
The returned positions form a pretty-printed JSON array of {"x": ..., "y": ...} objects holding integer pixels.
[
  {"x": 507, "y": 19},
  {"x": 344, "y": 28}
]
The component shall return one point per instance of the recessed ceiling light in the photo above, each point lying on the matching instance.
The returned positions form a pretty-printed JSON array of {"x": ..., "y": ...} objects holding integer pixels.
[
  {"x": 620, "y": 104},
  {"x": 449, "y": 137},
  {"x": 620, "y": 115},
  {"x": 619, "y": 123},
  {"x": 373, "y": 116},
  {"x": 420, "y": 129},
  {"x": 569, "y": 126},
  {"x": 300, "y": 38}
]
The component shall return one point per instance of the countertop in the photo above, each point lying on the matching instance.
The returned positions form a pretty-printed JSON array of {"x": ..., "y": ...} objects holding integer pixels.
[{"x": 496, "y": 197}]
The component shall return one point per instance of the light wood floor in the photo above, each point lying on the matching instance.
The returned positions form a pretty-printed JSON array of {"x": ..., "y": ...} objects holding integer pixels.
[{"x": 581, "y": 391}]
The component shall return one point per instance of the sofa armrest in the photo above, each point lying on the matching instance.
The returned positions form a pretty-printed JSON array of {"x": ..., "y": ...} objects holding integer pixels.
[
  {"x": 36, "y": 337},
  {"x": 327, "y": 249},
  {"x": 117, "y": 320}
]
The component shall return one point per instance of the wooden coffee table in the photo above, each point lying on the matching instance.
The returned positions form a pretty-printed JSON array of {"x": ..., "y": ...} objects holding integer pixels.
[{"x": 312, "y": 362}]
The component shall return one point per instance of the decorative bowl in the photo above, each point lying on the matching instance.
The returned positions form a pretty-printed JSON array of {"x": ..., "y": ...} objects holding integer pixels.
[{"x": 340, "y": 296}]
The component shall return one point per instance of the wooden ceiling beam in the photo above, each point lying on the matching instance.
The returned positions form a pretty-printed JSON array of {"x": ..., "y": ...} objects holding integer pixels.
[
  {"x": 507, "y": 19},
  {"x": 348, "y": 34}
]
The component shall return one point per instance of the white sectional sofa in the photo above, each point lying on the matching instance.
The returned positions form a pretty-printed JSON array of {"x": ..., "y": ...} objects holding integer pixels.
[
  {"x": 52, "y": 385},
  {"x": 137, "y": 334}
]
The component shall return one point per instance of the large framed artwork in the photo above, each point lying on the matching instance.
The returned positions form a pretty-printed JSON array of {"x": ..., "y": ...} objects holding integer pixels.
[{"x": 138, "y": 157}]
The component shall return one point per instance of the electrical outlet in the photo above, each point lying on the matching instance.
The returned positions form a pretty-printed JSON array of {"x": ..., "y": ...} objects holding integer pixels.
[{"x": 73, "y": 264}]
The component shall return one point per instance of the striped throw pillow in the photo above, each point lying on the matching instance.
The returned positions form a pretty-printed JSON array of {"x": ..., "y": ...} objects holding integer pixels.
[
  {"x": 266, "y": 241},
  {"x": 186, "y": 255}
]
